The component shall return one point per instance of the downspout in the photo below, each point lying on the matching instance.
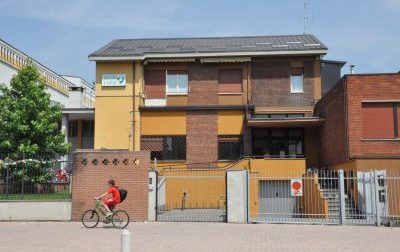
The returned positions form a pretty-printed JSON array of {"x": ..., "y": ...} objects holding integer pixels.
[{"x": 346, "y": 130}]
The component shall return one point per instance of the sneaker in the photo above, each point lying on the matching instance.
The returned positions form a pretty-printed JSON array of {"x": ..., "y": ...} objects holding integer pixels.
[{"x": 109, "y": 214}]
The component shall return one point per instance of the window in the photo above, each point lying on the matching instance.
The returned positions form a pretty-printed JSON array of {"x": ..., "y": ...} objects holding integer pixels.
[
  {"x": 87, "y": 128},
  {"x": 72, "y": 128},
  {"x": 165, "y": 147},
  {"x": 378, "y": 120},
  {"x": 296, "y": 80},
  {"x": 177, "y": 82},
  {"x": 278, "y": 143},
  {"x": 230, "y": 147},
  {"x": 230, "y": 81}
]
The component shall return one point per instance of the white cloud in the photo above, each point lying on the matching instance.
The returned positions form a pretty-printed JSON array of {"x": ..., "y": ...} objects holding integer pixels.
[{"x": 137, "y": 15}]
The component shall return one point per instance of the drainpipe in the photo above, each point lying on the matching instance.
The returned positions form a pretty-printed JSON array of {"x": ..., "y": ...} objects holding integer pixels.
[{"x": 346, "y": 117}]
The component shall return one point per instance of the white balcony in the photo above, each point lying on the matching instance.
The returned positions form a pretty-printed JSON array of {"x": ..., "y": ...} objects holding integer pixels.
[{"x": 155, "y": 102}]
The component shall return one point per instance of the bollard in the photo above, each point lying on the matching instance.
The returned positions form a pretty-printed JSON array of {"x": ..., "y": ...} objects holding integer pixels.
[{"x": 125, "y": 240}]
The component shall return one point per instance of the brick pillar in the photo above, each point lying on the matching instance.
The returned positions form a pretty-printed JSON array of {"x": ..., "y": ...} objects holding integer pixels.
[
  {"x": 202, "y": 136},
  {"x": 93, "y": 169}
]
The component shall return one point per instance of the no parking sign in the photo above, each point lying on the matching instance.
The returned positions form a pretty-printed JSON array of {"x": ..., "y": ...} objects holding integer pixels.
[{"x": 296, "y": 187}]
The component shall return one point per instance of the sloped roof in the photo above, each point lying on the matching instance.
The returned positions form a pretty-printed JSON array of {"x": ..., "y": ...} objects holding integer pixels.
[{"x": 213, "y": 46}]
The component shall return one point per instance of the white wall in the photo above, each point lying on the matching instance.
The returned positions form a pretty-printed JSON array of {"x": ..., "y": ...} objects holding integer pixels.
[
  {"x": 35, "y": 210},
  {"x": 58, "y": 97},
  {"x": 6, "y": 73}
]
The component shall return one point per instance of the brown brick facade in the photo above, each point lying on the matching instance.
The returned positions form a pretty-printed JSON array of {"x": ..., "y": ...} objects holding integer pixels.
[
  {"x": 270, "y": 84},
  {"x": 333, "y": 131},
  {"x": 370, "y": 87},
  {"x": 341, "y": 134},
  {"x": 90, "y": 180},
  {"x": 203, "y": 84},
  {"x": 202, "y": 136}
]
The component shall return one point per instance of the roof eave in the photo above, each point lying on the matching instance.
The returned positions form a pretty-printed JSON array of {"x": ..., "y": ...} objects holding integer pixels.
[{"x": 208, "y": 54}]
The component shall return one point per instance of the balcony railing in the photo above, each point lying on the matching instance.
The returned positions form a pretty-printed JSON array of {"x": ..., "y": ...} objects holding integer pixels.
[
  {"x": 17, "y": 59},
  {"x": 155, "y": 102}
]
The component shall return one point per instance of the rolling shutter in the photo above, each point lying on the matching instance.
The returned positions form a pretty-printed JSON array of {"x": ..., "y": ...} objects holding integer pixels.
[
  {"x": 155, "y": 84},
  {"x": 230, "y": 81},
  {"x": 377, "y": 120}
]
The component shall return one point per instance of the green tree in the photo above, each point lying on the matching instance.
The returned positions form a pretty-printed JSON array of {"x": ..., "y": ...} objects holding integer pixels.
[{"x": 28, "y": 119}]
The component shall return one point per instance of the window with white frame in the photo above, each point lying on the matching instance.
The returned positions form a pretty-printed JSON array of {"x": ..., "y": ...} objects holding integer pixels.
[
  {"x": 177, "y": 82},
  {"x": 296, "y": 81}
]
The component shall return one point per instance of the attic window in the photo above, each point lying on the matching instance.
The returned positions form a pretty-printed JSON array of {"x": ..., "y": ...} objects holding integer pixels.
[{"x": 296, "y": 80}]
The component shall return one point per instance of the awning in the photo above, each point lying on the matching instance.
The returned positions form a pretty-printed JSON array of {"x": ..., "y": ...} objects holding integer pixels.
[
  {"x": 225, "y": 59},
  {"x": 286, "y": 122}
]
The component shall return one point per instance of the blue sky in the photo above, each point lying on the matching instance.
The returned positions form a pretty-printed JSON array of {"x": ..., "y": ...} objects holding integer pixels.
[{"x": 60, "y": 34}]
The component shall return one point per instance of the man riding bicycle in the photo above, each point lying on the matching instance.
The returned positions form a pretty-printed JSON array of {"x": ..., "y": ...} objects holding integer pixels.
[{"x": 110, "y": 203}]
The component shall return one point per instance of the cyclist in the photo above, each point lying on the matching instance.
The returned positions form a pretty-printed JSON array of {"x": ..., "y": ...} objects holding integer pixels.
[{"x": 110, "y": 203}]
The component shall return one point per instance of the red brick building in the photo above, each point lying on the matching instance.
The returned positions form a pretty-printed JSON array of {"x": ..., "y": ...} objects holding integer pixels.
[{"x": 362, "y": 122}]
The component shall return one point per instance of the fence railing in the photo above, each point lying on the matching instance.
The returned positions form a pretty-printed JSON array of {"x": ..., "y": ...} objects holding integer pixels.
[
  {"x": 36, "y": 178},
  {"x": 327, "y": 197}
]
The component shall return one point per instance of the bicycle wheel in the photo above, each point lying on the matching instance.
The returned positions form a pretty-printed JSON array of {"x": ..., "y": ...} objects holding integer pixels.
[
  {"x": 120, "y": 219},
  {"x": 90, "y": 218}
]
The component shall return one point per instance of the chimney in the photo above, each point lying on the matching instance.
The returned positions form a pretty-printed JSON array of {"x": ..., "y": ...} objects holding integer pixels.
[{"x": 352, "y": 69}]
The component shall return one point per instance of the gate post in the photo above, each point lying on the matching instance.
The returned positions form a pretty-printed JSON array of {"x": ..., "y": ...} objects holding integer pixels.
[
  {"x": 342, "y": 199},
  {"x": 152, "y": 202},
  {"x": 376, "y": 199},
  {"x": 237, "y": 196}
]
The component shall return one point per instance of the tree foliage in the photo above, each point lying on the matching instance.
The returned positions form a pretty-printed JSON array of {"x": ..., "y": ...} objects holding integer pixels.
[{"x": 28, "y": 119}]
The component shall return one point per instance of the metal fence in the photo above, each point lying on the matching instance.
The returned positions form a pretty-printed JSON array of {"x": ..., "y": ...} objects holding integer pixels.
[
  {"x": 327, "y": 197},
  {"x": 165, "y": 147},
  {"x": 308, "y": 199},
  {"x": 35, "y": 177}
]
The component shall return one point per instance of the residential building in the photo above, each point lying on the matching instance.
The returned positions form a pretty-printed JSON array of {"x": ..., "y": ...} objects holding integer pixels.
[
  {"x": 207, "y": 100},
  {"x": 362, "y": 123},
  {"x": 75, "y": 95}
]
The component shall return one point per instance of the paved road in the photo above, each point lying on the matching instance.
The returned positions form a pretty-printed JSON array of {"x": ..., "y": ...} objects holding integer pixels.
[{"x": 64, "y": 236}]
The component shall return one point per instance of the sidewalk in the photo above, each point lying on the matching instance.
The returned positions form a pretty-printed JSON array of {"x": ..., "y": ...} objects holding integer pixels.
[{"x": 71, "y": 236}]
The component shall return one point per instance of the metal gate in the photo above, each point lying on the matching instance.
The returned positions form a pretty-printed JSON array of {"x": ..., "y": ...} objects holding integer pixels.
[
  {"x": 191, "y": 195},
  {"x": 327, "y": 197},
  {"x": 274, "y": 200}
]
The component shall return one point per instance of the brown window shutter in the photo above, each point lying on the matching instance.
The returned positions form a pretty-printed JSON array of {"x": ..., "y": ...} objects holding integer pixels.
[
  {"x": 377, "y": 120},
  {"x": 154, "y": 87},
  {"x": 230, "y": 81}
]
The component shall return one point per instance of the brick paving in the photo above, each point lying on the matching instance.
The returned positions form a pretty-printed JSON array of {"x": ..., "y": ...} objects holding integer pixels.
[{"x": 71, "y": 236}]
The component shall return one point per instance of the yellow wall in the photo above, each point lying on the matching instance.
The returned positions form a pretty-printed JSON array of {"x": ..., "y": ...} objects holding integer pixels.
[
  {"x": 138, "y": 91},
  {"x": 313, "y": 203},
  {"x": 113, "y": 125},
  {"x": 114, "y": 105},
  {"x": 278, "y": 168},
  {"x": 230, "y": 122},
  {"x": 163, "y": 123}
]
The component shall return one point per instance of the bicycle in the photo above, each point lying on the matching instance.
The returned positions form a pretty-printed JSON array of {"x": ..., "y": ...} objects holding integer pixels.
[{"x": 90, "y": 218}]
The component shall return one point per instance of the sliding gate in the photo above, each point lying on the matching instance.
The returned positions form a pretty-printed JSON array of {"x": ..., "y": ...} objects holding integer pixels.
[
  {"x": 191, "y": 195},
  {"x": 312, "y": 198}
]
